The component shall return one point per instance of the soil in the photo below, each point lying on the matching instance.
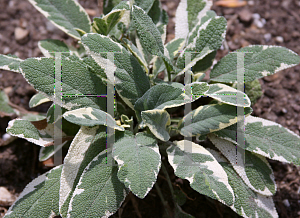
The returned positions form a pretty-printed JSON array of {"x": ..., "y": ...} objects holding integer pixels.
[{"x": 280, "y": 101}]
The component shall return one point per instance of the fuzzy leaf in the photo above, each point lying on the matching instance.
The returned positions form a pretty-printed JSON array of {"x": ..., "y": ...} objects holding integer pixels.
[
  {"x": 263, "y": 60},
  {"x": 37, "y": 99},
  {"x": 9, "y": 62},
  {"x": 47, "y": 152},
  {"x": 108, "y": 5},
  {"x": 144, "y": 4},
  {"x": 174, "y": 46},
  {"x": 52, "y": 45},
  {"x": 66, "y": 15},
  {"x": 256, "y": 172},
  {"x": 39, "y": 198},
  {"x": 205, "y": 175},
  {"x": 5, "y": 109},
  {"x": 139, "y": 162}
]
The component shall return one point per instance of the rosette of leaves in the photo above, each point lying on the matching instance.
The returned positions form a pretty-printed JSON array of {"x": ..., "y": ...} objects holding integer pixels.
[{"x": 94, "y": 179}]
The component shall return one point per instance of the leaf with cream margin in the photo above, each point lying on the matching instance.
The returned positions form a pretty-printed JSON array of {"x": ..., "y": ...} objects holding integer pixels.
[
  {"x": 174, "y": 46},
  {"x": 254, "y": 169},
  {"x": 188, "y": 14},
  {"x": 66, "y": 15},
  {"x": 157, "y": 120},
  {"x": 38, "y": 99},
  {"x": 10, "y": 62},
  {"x": 49, "y": 46},
  {"x": 48, "y": 152},
  {"x": 39, "y": 198},
  {"x": 139, "y": 162},
  {"x": 5, "y": 108},
  {"x": 266, "y": 138},
  {"x": 248, "y": 203},
  {"x": 131, "y": 81},
  {"x": 40, "y": 73},
  {"x": 99, "y": 193},
  {"x": 259, "y": 61},
  {"x": 91, "y": 117},
  {"x": 210, "y": 36},
  {"x": 146, "y": 5},
  {"x": 204, "y": 173},
  {"x": 166, "y": 95},
  {"x": 210, "y": 118},
  {"x": 103, "y": 25},
  {"x": 228, "y": 95},
  {"x": 38, "y": 132}
]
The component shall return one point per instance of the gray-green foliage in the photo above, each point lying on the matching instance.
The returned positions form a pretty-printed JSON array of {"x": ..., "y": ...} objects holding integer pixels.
[{"x": 95, "y": 177}]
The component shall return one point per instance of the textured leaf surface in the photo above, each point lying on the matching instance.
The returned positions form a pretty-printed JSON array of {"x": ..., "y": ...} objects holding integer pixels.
[
  {"x": 174, "y": 46},
  {"x": 210, "y": 118},
  {"x": 99, "y": 193},
  {"x": 263, "y": 60},
  {"x": 47, "y": 152},
  {"x": 38, "y": 99},
  {"x": 66, "y": 15},
  {"x": 157, "y": 120},
  {"x": 139, "y": 162},
  {"x": 91, "y": 117},
  {"x": 39, "y": 198},
  {"x": 254, "y": 169},
  {"x": 247, "y": 203},
  {"x": 77, "y": 81},
  {"x": 5, "y": 109},
  {"x": 205, "y": 175},
  {"x": 49, "y": 46},
  {"x": 267, "y": 138},
  {"x": 108, "y": 5},
  {"x": 9, "y": 62},
  {"x": 144, "y": 4},
  {"x": 130, "y": 79}
]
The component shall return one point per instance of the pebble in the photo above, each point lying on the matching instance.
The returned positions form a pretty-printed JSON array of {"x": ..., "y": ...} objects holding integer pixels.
[
  {"x": 267, "y": 37},
  {"x": 286, "y": 202},
  {"x": 50, "y": 26},
  {"x": 279, "y": 39},
  {"x": 245, "y": 15},
  {"x": 250, "y": 2},
  {"x": 6, "y": 198},
  {"x": 21, "y": 35},
  {"x": 6, "y": 50},
  {"x": 283, "y": 110}
]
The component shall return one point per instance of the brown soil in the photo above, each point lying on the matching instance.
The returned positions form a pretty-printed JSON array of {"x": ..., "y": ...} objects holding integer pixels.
[{"x": 280, "y": 102}]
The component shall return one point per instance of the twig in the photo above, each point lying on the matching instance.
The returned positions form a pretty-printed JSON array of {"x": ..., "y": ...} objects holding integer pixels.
[{"x": 162, "y": 199}]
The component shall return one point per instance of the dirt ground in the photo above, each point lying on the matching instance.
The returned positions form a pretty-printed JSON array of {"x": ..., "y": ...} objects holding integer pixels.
[{"x": 268, "y": 22}]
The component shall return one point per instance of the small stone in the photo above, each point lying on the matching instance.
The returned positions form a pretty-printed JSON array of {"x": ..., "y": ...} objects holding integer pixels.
[
  {"x": 267, "y": 37},
  {"x": 296, "y": 107},
  {"x": 50, "y": 26},
  {"x": 283, "y": 110},
  {"x": 21, "y": 35},
  {"x": 270, "y": 93},
  {"x": 256, "y": 16},
  {"x": 91, "y": 12},
  {"x": 286, "y": 202},
  {"x": 259, "y": 23},
  {"x": 245, "y": 15},
  {"x": 6, "y": 50},
  {"x": 279, "y": 39},
  {"x": 251, "y": 3},
  {"x": 6, "y": 198}
]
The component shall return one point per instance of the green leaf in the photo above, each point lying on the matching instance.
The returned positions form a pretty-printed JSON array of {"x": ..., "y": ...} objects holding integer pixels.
[
  {"x": 37, "y": 99},
  {"x": 9, "y": 62},
  {"x": 254, "y": 169},
  {"x": 47, "y": 152},
  {"x": 204, "y": 173},
  {"x": 263, "y": 60},
  {"x": 40, "y": 73},
  {"x": 131, "y": 81},
  {"x": 157, "y": 120},
  {"x": 210, "y": 118},
  {"x": 39, "y": 198},
  {"x": 188, "y": 14},
  {"x": 139, "y": 162},
  {"x": 174, "y": 46},
  {"x": 144, "y": 4},
  {"x": 228, "y": 95},
  {"x": 91, "y": 117},
  {"x": 103, "y": 25},
  {"x": 253, "y": 90},
  {"x": 247, "y": 202},
  {"x": 5, "y": 109},
  {"x": 108, "y": 5},
  {"x": 49, "y": 46},
  {"x": 66, "y": 15},
  {"x": 204, "y": 64},
  {"x": 266, "y": 138}
]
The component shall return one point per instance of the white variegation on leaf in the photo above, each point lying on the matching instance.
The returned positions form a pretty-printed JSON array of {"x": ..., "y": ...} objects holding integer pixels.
[
  {"x": 10, "y": 62},
  {"x": 210, "y": 118},
  {"x": 66, "y": 15},
  {"x": 39, "y": 198},
  {"x": 139, "y": 162},
  {"x": 201, "y": 169},
  {"x": 259, "y": 61},
  {"x": 91, "y": 117},
  {"x": 38, "y": 99},
  {"x": 248, "y": 203},
  {"x": 47, "y": 152},
  {"x": 254, "y": 169},
  {"x": 266, "y": 138},
  {"x": 49, "y": 46}
]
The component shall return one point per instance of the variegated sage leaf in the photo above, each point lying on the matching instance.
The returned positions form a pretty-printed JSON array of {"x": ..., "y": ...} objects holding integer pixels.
[
  {"x": 38, "y": 99},
  {"x": 39, "y": 198},
  {"x": 66, "y": 15},
  {"x": 49, "y": 46},
  {"x": 254, "y": 169},
  {"x": 259, "y": 61},
  {"x": 108, "y": 5},
  {"x": 77, "y": 81},
  {"x": 266, "y": 138},
  {"x": 5, "y": 109},
  {"x": 139, "y": 162},
  {"x": 174, "y": 46},
  {"x": 47, "y": 152},
  {"x": 210, "y": 118},
  {"x": 146, "y": 5},
  {"x": 99, "y": 193},
  {"x": 10, "y": 62},
  {"x": 91, "y": 117},
  {"x": 188, "y": 14},
  {"x": 157, "y": 120},
  {"x": 131, "y": 81},
  {"x": 103, "y": 25},
  {"x": 248, "y": 203},
  {"x": 205, "y": 175}
]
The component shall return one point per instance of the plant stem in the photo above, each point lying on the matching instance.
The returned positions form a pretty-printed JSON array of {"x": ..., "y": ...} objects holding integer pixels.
[
  {"x": 164, "y": 169},
  {"x": 162, "y": 198}
]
